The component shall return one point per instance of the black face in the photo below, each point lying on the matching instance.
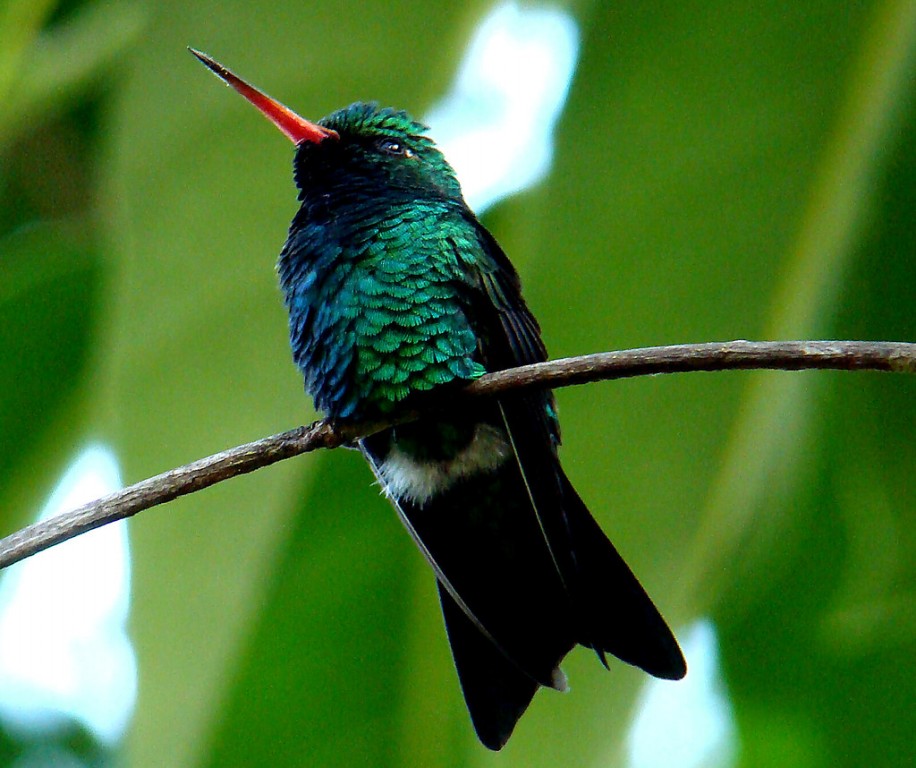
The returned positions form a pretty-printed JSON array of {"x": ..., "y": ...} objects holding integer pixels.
[{"x": 377, "y": 153}]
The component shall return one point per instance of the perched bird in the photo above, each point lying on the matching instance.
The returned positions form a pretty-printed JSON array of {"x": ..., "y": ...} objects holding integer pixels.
[{"x": 396, "y": 291}]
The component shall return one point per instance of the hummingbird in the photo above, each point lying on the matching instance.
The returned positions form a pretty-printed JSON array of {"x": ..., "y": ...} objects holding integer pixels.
[{"x": 397, "y": 297}]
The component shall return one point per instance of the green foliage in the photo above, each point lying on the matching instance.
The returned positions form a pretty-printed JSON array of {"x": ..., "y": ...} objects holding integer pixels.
[{"x": 723, "y": 170}]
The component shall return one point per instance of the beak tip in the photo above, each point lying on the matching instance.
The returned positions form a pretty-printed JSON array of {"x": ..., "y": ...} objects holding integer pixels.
[
  {"x": 296, "y": 128},
  {"x": 209, "y": 62}
]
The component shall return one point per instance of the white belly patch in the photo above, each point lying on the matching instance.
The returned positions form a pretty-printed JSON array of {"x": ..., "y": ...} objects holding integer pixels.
[{"x": 403, "y": 477}]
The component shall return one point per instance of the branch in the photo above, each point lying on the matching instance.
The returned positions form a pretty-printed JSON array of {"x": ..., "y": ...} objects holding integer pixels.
[{"x": 735, "y": 355}]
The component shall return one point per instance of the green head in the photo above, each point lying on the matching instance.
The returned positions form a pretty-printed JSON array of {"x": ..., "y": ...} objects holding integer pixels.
[
  {"x": 359, "y": 151},
  {"x": 375, "y": 149}
]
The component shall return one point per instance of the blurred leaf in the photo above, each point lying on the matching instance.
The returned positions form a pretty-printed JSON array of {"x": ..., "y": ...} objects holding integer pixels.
[
  {"x": 822, "y": 641},
  {"x": 772, "y": 429},
  {"x": 52, "y": 67},
  {"x": 20, "y": 23},
  {"x": 48, "y": 310},
  {"x": 338, "y": 584}
]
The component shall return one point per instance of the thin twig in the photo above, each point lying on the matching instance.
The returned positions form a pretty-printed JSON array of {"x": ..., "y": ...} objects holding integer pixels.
[{"x": 734, "y": 355}]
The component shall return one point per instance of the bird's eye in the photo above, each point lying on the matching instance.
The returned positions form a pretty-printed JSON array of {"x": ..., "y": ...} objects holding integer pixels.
[{"x": 394, "y": 147}]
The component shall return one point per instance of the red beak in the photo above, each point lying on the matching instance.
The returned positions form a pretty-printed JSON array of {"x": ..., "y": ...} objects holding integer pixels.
[{"x": 298, "y": 129}]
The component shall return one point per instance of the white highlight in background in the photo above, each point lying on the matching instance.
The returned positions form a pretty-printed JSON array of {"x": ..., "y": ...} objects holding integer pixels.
[
  {"x": 496, "y": 124},
  {"x": 688, "y": 724},
  {"x": 64, "y": 651}
]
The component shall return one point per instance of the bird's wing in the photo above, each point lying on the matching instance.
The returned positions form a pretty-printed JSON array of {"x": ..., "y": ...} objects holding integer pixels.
[
  {"x": 509, "y": 336},
  {"x": 616, "y": 614}
]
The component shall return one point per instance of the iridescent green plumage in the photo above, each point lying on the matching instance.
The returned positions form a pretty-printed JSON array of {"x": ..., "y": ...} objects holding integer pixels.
[
  {"x": 377, "y": 308},
  {"x": 394, "y": 290}
]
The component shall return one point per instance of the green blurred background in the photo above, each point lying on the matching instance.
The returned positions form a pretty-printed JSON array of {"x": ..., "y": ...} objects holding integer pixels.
[{"x": 723, "y": 170}]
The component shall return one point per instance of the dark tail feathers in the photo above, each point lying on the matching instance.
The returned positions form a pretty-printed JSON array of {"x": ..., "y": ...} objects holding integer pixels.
[
  {"x": 497, "y": 692},
  {"x": 616, "y": 614}
]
